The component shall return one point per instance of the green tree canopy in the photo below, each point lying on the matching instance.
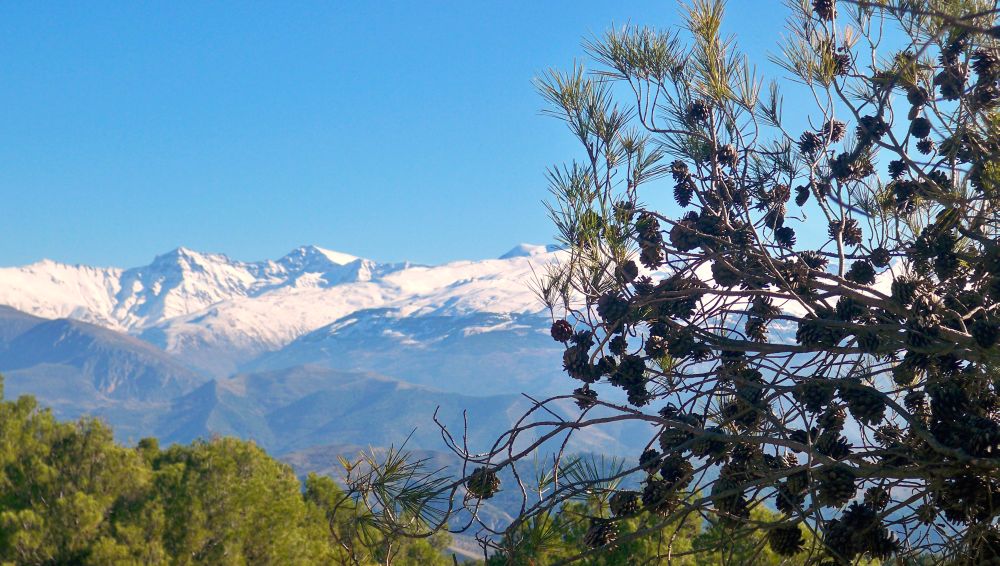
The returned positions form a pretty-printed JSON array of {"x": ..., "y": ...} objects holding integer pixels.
[{"x": 70, "y": 495}]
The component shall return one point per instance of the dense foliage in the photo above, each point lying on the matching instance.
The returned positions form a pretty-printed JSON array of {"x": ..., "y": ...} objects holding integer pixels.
[
  {"x": 566, "y": 535},
  {"x": 813, "y": 324},
  {"x": 70, "y": 495}
]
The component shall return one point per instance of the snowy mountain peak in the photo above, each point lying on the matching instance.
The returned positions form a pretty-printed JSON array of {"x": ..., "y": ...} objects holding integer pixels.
[
  {"x": 213, "y": 309},
  {"x": 335, "y": 257},
  {"x": 185, "y": 258},
  {"x": 314, "y": 259},
  {"x": 528, "y": 250}
]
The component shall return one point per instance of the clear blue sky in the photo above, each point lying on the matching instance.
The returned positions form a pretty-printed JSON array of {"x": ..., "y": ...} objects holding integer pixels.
[{"x": 388, "y": 130}]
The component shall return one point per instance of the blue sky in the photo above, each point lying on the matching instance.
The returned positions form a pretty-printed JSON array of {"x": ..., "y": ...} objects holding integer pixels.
[{"x": 388, "y": 130}]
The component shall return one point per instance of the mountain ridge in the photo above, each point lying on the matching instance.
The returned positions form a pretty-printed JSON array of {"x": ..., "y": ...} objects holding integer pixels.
[{"x": 219, "y": 314}]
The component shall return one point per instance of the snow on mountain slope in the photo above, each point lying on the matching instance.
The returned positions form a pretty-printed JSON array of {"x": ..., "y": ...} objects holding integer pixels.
[
  {"x": 54, "y": 290},
  {"x": 222, "y": 337},
  {"x": 178, "y": 283},
  {"x": 489, "y": 353},
  {"x": 218, "y": 313},
  {"x": 527, "y": 250}
]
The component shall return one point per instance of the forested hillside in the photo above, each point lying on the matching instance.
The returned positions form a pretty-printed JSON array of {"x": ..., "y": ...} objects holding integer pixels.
[{"x": 70, "y": 495}]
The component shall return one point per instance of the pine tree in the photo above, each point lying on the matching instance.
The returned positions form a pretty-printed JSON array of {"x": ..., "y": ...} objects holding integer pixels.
[{"x": 755, "y": 338}]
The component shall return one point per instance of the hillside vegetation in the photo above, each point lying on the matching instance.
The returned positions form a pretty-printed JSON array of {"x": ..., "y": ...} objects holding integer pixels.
[{"x": 70, "y": 495}]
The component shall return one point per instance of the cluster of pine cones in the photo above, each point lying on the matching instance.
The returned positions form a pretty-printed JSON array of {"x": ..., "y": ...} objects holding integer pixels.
[{"x": 935, "y": 331}]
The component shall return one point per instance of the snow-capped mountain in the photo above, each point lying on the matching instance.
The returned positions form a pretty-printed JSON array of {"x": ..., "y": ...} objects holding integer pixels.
[
  {"x": 217, "y": 314},
  {"x": 314, "y": 348}
]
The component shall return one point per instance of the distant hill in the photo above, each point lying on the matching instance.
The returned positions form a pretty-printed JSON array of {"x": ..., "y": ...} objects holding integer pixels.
[
  {"x": 107, "y": 363},
  {"x": 79, "y": 368},
  {"x": 297, "y": 408}
]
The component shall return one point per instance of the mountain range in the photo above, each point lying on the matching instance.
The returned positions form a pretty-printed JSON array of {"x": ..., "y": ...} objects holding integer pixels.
[
  {"x": 217, "y": 314},
  {"x": 314, "y": 348}
]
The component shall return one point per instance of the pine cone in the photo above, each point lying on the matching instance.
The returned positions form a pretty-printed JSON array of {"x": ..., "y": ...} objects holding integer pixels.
[
  {"x": 648, "y": 228},
  {"x": 728, "y": 499},
  {"x": 624, "y": 503},
  {"x": 871, "y": 128},
  {"x": 849, "y": 309},
  {"x": 814, "y": 394},
  {"x": 561, "y": 331},
  {"x": 651, "y": 257},
  {"x": 788, "y": 501},
  {"x": 676, "y": 471},
  {"x": 612, "y": 307},
  {"x": 709, "y": 444},
  {"x": 813, "y": 332},
  {"x": 618, "y": 345},
  {"x": 658, "y": 497},
  {"x": 576, "y": 362},
  {"x": 683, "y": 236},
  {"x": 847, "y": 229},
  {"x": 679, "y": 170},
  {"x": 866, "y": 406},
  {"x": 920, "y": 127},
  {"x": 986, "y": 64},
  {"x": 801, "y": 195},
  {"x": 896, "y": 168},
  {"x": 602, "y": 532},
  {"x": 917, "y": 96},
  {"x": 888, "y": 435},
  {"x": 810, "y": 143},
  {"x": 985, "y": 96},
  {"x": 627, "y": 271},
  {"x": 785, "y": 237},
  {"x": 951, "y": 81},
  {"x": 649, "y": 461},
  {"x": 839, "y": 540},
  {"x": 698, "y": 111},
  {"x": 727, "y": 155},
  {"x": 683, "y": 192},
  {"x": 483, "y": 483},
  {"x": 825, "y": 9},
  {"x": 583, "y": 338},
  {"x": 925, "y": 146},
  {"x": 861, "y": 272},
  {"x": 880, "y": 257},
  {"x": 833, "y": 445},
  {"x": 814, "y": 260},
  {"x": 835, "y": 485},
  {"x": 846, "y": 166},
  {"x": 585, "y": 397},
  {"x": 926, "y": 513},
  {"x": 671, "y": 438},
  {"x": 877, "y": 497},
  {"x": 725, "y": 275},
  {"x": 916, "y": 403},
  {"x": 948, "y": 402},
  {"x": 835, "y": 130},
  {"x": 920, "y": 334},
  {"x": 833, "y": 419},
  {"x": 841, "y": 63},
  {"x": 786, "y": 540},
  {"x": 904, "y": 290}
]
